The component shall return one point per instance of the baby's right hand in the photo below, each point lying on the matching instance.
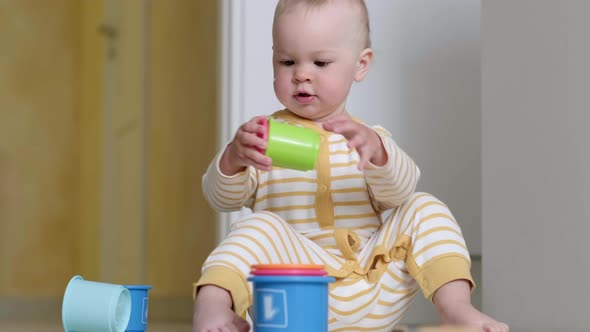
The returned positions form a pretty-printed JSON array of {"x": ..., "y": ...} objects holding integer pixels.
[{"x": 242, "y": 151}]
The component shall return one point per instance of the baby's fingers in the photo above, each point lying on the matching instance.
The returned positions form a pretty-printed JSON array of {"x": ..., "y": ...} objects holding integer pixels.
[
  {"x": 229, "y": 327},
  {"x": 356, "y": 141},
  {"x": 364, "y": 160},
  {"x": 251, "y": 140},
  {"x": 332, "y": 123},
  {"x": 241, "y": 324},
  {"x": 254, "y": 126},
  {"x": 345, "y": 128},
  {"x": 258, "y": 160},
  {"x": 362, "y": 164}
]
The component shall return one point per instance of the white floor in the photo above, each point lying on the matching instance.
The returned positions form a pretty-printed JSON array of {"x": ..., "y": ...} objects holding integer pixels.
[
  {"x": 45, "y": 327},
  {"x": 163, "y": 327},
  {"x": 156, "y": 327}
]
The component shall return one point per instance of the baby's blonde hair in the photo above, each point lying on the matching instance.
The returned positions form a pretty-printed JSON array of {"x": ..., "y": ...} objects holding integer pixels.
[{"x": 285, "y": 5}]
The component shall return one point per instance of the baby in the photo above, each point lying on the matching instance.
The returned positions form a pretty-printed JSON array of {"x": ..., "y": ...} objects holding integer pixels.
[{"x": 356, "y": 213}]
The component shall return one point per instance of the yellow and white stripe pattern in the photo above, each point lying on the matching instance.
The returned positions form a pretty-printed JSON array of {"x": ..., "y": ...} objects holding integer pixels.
[{"x": 332, "y": 216}]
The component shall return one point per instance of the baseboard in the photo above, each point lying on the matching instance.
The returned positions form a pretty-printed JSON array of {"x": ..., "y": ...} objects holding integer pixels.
[
  {"x": 30, "y": 309},
  {"x": 175, "y": 309}
]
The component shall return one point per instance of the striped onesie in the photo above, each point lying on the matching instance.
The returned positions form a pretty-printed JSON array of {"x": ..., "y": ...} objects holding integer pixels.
[{"x": 378, "y": 238}]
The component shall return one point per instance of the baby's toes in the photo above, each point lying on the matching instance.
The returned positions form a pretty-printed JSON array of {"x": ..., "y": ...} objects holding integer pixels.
[{"x": 495, "y": 327}]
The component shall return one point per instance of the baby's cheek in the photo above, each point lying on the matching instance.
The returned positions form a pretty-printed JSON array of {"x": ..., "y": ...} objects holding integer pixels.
[
  {"x": 337, "y": 91},
  {"x": 280, "y": 88}
]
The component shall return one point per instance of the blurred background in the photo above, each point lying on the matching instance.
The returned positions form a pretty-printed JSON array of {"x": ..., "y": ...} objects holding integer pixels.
[
  {"x": 107, "y": 122},
  {"x": 110, "y": 112}
]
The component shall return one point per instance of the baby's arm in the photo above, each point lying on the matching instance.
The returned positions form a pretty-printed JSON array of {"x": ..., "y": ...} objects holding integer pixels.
[
  {"x": 390, "y": 173},
  {"x": 230, "y": 179},
  {"x": 453, "y": 304},
  {"x": 391, "y": 184},
  {"x": 228, "y": 193}
]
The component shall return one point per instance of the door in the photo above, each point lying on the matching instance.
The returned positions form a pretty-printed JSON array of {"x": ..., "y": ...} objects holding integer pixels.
[{"x": 123, "y": 217}]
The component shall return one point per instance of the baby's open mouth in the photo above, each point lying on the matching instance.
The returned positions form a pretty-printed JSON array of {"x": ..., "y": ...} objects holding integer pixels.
[{"x": 304, "y": 98}]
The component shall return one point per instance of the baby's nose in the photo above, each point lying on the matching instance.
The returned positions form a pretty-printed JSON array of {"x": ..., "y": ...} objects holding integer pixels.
[{"x": 301, "y": 75}]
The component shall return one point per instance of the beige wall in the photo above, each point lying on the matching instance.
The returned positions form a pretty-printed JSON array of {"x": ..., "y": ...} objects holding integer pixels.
[
  {"x": 51, "y": 149},
  {"x": 182, "y": 125},
  {"x": 39, "y": 146},
  {"x": 89, "y": 107}
]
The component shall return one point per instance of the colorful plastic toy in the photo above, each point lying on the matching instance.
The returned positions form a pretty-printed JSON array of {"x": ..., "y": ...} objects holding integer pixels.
[
  {"x": 90, "y": 306},
  {"x": 291, "y": 300},
  {"x": 290, "y": 146}
]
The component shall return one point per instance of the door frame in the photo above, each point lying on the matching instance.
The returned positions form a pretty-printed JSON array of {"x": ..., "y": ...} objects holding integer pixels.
[{"x": 231, "y": 88}]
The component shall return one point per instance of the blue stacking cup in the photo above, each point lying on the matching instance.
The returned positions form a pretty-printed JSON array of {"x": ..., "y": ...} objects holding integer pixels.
[
  {"x": 139, "y": 307},
  {"x": 290, "y": 303},
  {"x": 90, "y": 306}
]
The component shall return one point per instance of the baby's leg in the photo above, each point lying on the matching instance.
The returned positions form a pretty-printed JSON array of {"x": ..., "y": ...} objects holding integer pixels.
[
  {"x": 413, "y": 249},
  {"x": 434, "y": 251},
  {"x": 453, "y": 304},
  {"x": 392, "y": 276},
  {"x": 222, "y": 293},
  {"x": 429, "y": 241}
]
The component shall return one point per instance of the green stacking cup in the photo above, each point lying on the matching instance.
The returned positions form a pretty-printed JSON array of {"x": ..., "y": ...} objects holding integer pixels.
[{"x": 290, "y": 146}]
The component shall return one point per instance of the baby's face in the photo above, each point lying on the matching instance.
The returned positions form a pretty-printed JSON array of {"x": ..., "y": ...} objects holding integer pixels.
[{"x": 316, "y": 58}]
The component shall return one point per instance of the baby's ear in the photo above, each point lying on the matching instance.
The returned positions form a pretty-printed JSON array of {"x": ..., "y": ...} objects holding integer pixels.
[{"x": 364, "y": 62}]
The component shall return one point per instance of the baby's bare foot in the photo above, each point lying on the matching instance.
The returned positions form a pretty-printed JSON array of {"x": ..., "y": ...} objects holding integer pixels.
[
  {"x": 213, "y": 312},
  {"x": 495, "y": 327}
]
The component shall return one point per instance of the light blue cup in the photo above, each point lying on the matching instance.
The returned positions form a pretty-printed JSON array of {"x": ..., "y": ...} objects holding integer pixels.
[
  {"x": 139, "y": 307},
  {"x": 90, "y": 306},
  {"x": 290, "y": 303}
]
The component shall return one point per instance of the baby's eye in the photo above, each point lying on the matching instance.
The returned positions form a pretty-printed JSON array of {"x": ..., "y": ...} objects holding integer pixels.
[
  {"x": 287, "y": 62},
  {"x": 321, "y": 63}
]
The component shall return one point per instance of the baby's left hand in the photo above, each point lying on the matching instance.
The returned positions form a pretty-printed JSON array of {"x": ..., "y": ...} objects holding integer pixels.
[{"x": 364, "y": 139}]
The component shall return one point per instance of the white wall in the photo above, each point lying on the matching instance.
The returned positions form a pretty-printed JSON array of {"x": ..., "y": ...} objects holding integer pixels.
[
  {"x": 536, "y": 162},
  {"x": 424, "y": 87}
]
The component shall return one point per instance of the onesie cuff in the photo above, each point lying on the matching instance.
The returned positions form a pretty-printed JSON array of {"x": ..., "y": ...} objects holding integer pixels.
[
  {"x": 229, "y": 280},
  {"x": 240, "y": 177},
  {"x": 387, "y": 168},
  {"x": 441, "y": 271}
]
